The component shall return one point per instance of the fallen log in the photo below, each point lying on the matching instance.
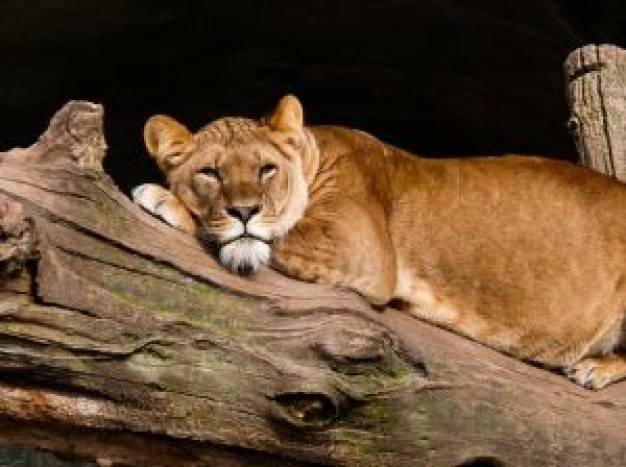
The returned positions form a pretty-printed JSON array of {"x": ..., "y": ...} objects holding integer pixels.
[{"x": 122, "y": 341}]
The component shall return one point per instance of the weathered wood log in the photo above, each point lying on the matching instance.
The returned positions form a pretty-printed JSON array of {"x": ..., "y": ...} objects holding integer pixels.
[
  {"x": 596, "y": 91},
  {"x": 122, "y": 340}
]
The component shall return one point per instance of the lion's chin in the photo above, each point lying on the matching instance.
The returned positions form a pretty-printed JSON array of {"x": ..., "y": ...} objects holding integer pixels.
[{"x": 245, "y": 255}]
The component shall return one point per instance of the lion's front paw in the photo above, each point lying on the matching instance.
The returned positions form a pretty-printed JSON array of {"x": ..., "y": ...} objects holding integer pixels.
[
  {"x": 596, "y": 373},
  {"x": 163, "y": 204}
]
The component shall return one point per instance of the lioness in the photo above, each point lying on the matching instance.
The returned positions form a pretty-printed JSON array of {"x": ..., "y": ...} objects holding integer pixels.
[{"x": 526, "y": 255}]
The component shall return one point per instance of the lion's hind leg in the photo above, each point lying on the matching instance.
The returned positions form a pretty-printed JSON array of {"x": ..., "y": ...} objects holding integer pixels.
[
  {"x": 598, "y": 372},
  {"x": 163, "y": 204}
]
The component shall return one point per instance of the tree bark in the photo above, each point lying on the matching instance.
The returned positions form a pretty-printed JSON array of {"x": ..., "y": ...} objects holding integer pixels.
[
  {"x": 596, "y": 91},
  {"x": 122, "y": 340}
]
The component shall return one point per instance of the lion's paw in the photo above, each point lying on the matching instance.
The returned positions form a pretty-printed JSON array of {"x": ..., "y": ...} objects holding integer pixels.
[
  {"x": 163, "y": 204},
  {"x": 596, "y": 373}
]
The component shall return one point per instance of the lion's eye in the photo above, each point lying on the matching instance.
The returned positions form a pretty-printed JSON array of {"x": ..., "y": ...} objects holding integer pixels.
[
  {"x": 211, "y": 173},
  {"x": 267, "y": 171}
]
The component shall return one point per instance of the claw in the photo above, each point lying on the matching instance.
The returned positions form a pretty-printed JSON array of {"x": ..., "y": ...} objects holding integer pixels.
[
  {"x": 596, "y": 373},
  {"x": 588, "y": 381}
]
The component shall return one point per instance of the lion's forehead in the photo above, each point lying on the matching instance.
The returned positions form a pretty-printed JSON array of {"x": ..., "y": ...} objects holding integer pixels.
[
  {"x": 231, "y": 130},
  {"x": 238, "y": 156}
]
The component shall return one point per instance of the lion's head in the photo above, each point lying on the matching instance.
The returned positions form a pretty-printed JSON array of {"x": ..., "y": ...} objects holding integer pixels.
[{"x": 243, "y": 180}]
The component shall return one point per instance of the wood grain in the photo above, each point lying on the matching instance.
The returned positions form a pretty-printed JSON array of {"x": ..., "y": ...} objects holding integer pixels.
[{"x": 596, "y": 91}]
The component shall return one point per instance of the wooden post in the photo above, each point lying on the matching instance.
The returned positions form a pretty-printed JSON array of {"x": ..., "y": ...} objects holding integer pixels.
[{"x": 596, "y": 91}]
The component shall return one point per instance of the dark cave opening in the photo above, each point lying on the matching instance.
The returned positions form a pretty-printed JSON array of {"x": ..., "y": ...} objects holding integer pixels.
[{"x": 439, "y": 78}]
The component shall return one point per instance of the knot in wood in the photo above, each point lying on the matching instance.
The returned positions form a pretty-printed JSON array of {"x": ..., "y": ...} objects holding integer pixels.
[
  {"x": 17, "y": 237},
  {"x": 360, "y": 351},
  {"x": 573, "y": 124}
]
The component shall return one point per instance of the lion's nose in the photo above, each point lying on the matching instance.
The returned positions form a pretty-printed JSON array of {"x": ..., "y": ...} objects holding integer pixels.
[{"x": 243, "y": 213}]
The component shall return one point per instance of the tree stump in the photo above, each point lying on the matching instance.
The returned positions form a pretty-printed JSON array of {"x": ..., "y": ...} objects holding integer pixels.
[
  {"x": 122, "y": 340},
  {"x": 596, "y": 91}
]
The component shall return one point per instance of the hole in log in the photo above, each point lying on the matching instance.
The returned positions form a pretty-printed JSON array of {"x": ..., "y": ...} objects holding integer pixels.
[
  {"x": 482, "y": 461},
  {"x": 573, "y": 124},
  {"x": 306, "y": 410}
]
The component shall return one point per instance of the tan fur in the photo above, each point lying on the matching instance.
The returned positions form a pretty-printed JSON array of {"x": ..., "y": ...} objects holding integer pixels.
[{"x": 526, "y": 255}]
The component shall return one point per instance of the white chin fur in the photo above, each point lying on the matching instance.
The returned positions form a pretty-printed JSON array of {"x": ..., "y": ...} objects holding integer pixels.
[{"x": 245, "y": 255}]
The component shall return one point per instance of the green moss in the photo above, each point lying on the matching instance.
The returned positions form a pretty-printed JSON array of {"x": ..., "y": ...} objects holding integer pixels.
[
  {"x": 136, "y": 283},
  {"x": 382, "y": 415},
  {"x": 387, "y": 429},
  {"x": 217, "y": 311}
]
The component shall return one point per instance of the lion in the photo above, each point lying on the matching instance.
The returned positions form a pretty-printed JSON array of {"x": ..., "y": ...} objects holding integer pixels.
[{"x": 524, "y": 254}]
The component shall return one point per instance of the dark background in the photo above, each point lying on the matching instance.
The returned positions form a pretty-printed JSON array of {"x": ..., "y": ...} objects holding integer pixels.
[{"x": 437, "y": 77}]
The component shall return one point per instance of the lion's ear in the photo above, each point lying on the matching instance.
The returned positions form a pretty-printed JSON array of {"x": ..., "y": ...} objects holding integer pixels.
[
  {"x": 167, "y": 141},
  {"x": 288, "y": 115}
]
